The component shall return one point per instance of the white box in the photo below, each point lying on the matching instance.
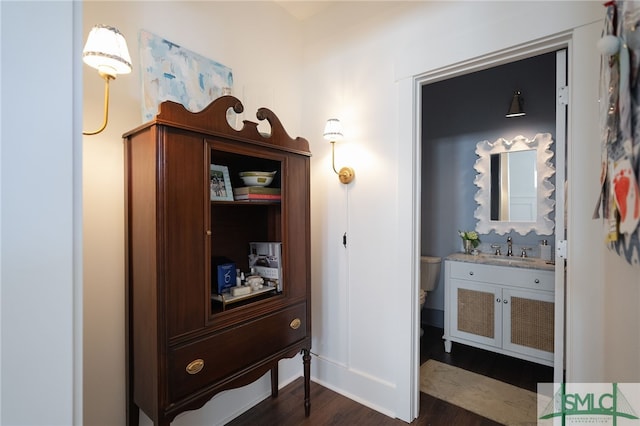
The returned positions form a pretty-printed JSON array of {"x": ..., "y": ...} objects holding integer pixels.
[{"x": 266, "y": 260}]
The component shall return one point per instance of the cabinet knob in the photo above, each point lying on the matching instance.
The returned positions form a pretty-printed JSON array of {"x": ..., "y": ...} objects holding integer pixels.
[
  {"x": 195, "y": 366},
  {"x": 498, "y": 300},
  {"x": 470, "y": 272},
  {"x": 295, "y": 324},
  {"x": 505, "y": 301},
  {"x": 209, "y": 232},
  {"x": 537, "y": 281}
]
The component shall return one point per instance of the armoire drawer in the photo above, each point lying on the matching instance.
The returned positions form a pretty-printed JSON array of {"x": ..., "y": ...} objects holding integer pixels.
[{"x": 205, "y": 361}]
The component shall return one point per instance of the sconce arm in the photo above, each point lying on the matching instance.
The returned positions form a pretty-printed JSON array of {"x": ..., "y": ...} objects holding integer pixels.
[
  {"x": 346, "y": 174},
  {"x": 333, "y": 163},
  {"x": 106, "y": 78}
]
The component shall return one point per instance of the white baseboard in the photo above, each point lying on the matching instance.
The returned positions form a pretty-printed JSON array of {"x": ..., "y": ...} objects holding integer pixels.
[{"x": 371, "y": 391}]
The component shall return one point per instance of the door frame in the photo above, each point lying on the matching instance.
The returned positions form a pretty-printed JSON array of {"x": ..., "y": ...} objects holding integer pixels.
[{"x": 560, "y": 43}]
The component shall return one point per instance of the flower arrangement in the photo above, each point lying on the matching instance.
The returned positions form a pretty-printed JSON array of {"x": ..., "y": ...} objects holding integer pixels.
[{"x": 471, "y": 236}]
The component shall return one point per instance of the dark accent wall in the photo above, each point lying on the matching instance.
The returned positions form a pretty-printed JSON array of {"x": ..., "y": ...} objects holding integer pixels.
[{"x": 458, "y": 113}]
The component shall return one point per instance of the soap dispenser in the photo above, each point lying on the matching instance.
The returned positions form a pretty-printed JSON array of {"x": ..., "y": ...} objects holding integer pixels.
[{"x": 545, "y": 250}]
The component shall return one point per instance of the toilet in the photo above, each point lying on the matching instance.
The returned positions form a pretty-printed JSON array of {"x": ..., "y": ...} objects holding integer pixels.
[{"x": 429, "y": 272}]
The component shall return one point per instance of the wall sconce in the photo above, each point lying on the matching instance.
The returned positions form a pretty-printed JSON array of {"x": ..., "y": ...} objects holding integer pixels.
[
  {"x": 516, "y": 109},
  {"x": 333, "y": 133},
  {"x": 106, "y": 50}
]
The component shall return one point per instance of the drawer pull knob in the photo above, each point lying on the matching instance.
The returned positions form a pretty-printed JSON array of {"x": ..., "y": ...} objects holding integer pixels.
[
  {"x": 295, "y": 324},
  {"x": 470, "y": 272},
  {"x": 537, "y": 281},
  {"x": 195, "y": 366}
]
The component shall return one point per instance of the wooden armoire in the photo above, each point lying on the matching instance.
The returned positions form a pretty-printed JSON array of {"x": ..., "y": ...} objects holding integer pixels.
[{"x": 186, "y": 342}]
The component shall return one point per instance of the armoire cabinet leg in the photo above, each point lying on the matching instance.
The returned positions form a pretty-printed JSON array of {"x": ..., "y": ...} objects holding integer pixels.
[
  {"x": 133, "y": 414},
  {"x": 274, "y": 382},
  {"x": 306, "y": 359}
]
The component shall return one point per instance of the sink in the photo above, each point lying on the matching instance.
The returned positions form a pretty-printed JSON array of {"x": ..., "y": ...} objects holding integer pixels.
[
  {"x": 507, "y": 258},
  {"x": 511, "y": 260}
]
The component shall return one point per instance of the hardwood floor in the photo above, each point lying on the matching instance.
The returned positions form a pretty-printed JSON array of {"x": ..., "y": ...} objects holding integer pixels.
[
  {"x": 517, "y": 372},
  {"x": 330, "y": 408}
]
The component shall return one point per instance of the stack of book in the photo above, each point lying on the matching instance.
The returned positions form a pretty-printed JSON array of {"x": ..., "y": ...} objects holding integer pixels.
[{"x": 256, "y": 193}]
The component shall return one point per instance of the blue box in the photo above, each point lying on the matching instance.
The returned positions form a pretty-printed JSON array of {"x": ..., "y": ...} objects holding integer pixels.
[{"x": 223, "y": 274}]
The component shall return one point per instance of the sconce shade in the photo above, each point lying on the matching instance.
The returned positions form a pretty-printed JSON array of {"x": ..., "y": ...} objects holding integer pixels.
[
  {"x": 106, "y": 50},
  {"x": 516, "y": 109},
  {"x": 333, "y": 130}
]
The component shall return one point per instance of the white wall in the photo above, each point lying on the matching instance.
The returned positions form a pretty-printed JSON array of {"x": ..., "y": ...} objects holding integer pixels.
[
  {"x": 41, "y": 240},
  {"x": 357, "y": 70},
  {"x": 260, "y": 42}
]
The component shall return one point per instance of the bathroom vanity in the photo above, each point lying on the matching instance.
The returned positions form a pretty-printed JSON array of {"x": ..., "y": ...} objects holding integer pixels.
[{"x": 501, "y": 304}]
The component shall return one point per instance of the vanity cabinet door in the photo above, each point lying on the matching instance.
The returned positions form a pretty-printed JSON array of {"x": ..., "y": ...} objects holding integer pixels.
[
  {"x": 476, "y": 312},
  {"x": 508, "y": 310},
  {"x": 528, "y": 322}
]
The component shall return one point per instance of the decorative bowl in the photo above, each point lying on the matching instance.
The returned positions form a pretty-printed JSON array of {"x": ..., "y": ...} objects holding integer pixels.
[{"x": 254, "y": 178}]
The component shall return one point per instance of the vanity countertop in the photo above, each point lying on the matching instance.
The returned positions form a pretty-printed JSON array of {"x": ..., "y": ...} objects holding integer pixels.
[{"x": 515, "y": 262}]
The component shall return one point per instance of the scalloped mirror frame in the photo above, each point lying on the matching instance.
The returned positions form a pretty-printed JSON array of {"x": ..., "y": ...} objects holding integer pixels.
[{"x": 543, "y": 225}]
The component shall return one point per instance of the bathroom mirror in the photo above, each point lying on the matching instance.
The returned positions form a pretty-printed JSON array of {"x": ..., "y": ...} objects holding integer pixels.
[{"x": 514, "y": 188}]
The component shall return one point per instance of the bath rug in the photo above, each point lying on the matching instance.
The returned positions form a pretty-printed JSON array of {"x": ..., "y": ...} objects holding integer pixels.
[{"x": 490, "y": 398}]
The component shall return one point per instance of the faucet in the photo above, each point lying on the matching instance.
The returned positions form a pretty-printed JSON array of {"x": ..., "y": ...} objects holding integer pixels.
[{"x": 509, "y": 246}]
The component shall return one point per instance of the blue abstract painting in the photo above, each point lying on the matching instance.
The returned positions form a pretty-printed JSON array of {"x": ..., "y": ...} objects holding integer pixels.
[{"x": 172, "y": 73}]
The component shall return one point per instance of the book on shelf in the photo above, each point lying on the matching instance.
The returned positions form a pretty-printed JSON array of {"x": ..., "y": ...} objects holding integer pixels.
[
  {"x": 257, "y": 197},
  {"x": 243, "y": 190},
  {"x": 265, "y": 258}
]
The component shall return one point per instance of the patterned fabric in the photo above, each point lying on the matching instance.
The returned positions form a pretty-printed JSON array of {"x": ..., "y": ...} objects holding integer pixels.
[{"x": 619, "y": 201}]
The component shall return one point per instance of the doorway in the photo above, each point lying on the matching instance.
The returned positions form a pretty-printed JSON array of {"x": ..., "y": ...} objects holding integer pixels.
[{"x": 450, "y": 156}]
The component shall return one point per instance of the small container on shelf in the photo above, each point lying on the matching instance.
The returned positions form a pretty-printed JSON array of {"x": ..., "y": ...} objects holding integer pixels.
[
  {"x": 256, "y": 178},
  {"x": 223, "y": 274},
  {"x": 545, "y": 251}
]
